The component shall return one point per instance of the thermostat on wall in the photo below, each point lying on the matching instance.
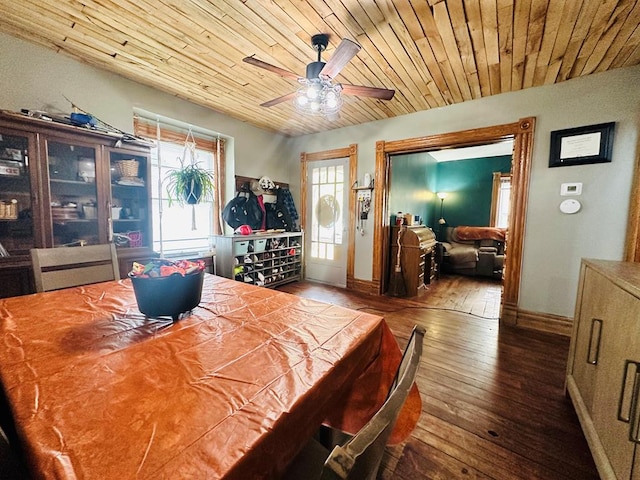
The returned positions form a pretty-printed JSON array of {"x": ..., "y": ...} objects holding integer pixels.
[
  {"x": 570, "y": 206},
  {"x": 567, "y": 189}
]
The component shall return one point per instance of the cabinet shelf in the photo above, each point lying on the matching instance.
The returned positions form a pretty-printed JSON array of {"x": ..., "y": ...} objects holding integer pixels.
[
  {"x": 71, "y": 182},
  {"x": 74, "y": 220}
]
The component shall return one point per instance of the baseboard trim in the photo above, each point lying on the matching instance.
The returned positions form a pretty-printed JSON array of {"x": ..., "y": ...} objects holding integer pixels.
[
  {"x": 543, "y": 322},
  {"x": 363, "y": 286}
]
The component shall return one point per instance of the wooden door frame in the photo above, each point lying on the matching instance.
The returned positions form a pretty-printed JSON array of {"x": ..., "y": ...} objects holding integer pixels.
[
  {"x": 522, "y": 134},
  {"x": 632, "y": 240},
  {"x": 350, "y": 152}
]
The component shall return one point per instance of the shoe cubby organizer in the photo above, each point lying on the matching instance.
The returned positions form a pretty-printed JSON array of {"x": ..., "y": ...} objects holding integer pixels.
[{"x": 265, "y": 260}]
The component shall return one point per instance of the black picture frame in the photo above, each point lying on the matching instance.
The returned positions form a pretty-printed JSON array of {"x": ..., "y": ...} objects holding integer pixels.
[{"x": 582, "y": 145}]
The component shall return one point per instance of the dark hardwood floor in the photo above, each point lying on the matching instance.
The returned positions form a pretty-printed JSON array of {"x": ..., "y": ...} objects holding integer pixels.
[{"x": 493, "y": 404}]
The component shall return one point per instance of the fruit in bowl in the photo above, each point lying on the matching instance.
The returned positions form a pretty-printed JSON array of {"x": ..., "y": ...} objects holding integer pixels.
[{"x": 167, "y": 288}]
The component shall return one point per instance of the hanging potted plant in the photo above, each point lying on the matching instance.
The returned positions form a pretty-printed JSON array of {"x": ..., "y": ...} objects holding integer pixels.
[{"x": 190, "y": 184}]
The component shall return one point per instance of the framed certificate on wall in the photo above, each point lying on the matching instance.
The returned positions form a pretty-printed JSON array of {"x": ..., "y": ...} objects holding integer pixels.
[{"x": 582, "y": 145}]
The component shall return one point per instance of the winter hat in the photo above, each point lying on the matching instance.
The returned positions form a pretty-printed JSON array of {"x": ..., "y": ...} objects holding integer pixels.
[{"x": 244, "y": 230}]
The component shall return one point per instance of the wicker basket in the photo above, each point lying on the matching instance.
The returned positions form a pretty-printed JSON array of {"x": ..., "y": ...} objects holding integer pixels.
[
  {"x": 128, "y": 168},
  {"x": 8, "y": 210}
]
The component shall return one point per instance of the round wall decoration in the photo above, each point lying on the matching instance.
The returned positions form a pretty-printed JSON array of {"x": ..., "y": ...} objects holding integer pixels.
[{"x": 327, "y": 211}]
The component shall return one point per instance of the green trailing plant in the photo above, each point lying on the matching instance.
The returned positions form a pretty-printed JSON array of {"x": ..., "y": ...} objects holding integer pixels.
[{"x": 190, "y": 185}]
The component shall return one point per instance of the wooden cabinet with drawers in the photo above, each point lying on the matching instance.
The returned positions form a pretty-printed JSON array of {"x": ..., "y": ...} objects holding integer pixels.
[{"x": 603, "y": 371}]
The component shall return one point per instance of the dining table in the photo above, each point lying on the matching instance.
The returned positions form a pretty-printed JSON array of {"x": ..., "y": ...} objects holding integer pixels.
[{"x": 233, "y": 389}]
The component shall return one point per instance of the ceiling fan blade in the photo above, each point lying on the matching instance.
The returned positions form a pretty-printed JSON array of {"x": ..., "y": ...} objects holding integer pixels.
[
  {"x": 272, "y": 68},
  {"x": 343, "y": 55},
  {"x": 275, "y": 101},
  {"x": 373, "y": 92}
]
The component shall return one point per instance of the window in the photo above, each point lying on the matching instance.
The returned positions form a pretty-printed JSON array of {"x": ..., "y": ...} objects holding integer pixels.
[
  {"x": 173, "y": 234},
  {"x": 327, "y": 194},
  {"x": 500, "y": 200}
]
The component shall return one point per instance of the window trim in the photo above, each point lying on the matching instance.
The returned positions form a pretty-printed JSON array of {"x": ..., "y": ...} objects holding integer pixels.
[
  {"x": 146, "y": 128},
  {"x": 495, "y": 195}
]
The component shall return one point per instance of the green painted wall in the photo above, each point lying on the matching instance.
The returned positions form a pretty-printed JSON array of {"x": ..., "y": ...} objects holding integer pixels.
[
  {"x": 413, "y": 178},
  {"x": 468, "y": 184},
  {"x": 417, "y": 177}
]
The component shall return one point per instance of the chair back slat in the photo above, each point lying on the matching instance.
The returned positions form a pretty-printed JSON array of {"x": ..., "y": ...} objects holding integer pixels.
[{"x": 62, "y": 267}]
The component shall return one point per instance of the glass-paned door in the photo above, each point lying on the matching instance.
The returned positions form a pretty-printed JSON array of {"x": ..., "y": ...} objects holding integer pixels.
[
  {"x": 16, "y": 214},
  {"x": 129, "y": 203},
  {"x": 326, "y": 242},
  {"x": 73, "y": 194}
]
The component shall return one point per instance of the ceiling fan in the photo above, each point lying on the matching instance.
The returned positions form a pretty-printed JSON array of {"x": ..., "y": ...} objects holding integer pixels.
[{"x": 319, "y": 94}]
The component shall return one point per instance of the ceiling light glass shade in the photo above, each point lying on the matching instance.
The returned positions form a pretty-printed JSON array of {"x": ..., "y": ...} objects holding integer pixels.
[{"x": 318, "y": 97}]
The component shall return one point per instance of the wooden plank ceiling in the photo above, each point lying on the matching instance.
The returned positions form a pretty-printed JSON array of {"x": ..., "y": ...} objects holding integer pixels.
[{"x": 432, "y": 52}]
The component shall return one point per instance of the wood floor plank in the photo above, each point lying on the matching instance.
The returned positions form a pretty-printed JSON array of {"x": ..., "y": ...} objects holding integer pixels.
[{"x": 493, "y": 402}]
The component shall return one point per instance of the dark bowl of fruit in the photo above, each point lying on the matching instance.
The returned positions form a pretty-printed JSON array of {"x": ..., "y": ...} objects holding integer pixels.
[{"x": 165, "y": 288}]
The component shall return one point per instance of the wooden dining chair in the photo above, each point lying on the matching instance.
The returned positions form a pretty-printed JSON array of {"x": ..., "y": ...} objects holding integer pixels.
[
  {"x": 360, "y": 456},
  {"x": 62, "y": 267}
]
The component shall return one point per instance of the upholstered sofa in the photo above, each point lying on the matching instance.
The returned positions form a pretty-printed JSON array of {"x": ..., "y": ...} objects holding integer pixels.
[{"x": 474, "y": 251}]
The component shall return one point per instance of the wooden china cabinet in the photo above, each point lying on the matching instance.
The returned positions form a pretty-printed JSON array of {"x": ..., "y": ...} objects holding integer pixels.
[{"x": 64, "y": 186}]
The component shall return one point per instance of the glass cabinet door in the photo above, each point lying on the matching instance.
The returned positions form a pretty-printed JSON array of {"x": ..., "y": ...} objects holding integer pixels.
[
  {"x": 130, "y": 216},
  {"x": 16, "y": 215},
  {"x": 73, "y": 194}
]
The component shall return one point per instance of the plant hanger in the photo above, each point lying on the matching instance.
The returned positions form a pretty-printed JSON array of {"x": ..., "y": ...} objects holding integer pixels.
[{"x": 189, "y": 184}]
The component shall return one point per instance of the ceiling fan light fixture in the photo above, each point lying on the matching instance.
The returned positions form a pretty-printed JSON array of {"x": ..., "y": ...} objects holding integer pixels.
[
  {"x": 313, "y": 90},
  {"x": 319, "y": 96}
]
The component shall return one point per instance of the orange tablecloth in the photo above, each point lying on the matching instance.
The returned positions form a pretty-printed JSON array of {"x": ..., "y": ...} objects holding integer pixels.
[{"x": 98, "y": 391}]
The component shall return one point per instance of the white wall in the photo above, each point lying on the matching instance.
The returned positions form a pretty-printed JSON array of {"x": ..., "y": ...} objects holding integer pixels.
[
  {"x": 36, "y": 78},
  {"x": 554, "y": 242}
]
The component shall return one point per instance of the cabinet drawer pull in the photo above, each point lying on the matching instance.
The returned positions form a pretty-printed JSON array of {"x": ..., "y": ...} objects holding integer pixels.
[
  {"x": 628, "y": 407},
  {"x": 592, "y": 354}
]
